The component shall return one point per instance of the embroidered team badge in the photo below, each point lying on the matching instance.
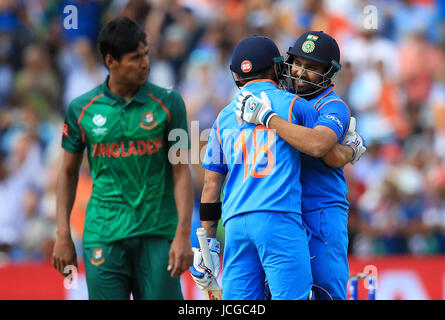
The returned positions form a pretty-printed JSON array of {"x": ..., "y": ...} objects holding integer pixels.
[
  {"x": 97, "y": 257},
  {"x": 309, "y": 45},
  {"x": 148, "y": 121}
]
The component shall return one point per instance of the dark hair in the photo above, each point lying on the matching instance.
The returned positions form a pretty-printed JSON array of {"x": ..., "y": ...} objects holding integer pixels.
[{"x": 119, "y": 36}]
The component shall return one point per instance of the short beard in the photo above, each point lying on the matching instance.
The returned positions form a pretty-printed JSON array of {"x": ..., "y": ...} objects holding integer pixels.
[{"x": 310, "y": 91}]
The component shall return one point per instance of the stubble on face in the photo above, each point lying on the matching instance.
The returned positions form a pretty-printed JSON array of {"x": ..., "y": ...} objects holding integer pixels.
[
  {"x": 306, "y": 70},
  {"x": 134, "y": 66}
]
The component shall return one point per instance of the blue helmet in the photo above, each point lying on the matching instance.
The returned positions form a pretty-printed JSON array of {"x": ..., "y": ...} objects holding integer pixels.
[
  {"x": 316, "y": 46},
  {"x": 253, "y": 55}
]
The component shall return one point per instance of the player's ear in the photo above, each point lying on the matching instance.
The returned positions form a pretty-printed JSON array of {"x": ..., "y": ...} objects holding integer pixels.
[{"x": 109, "y": 61}]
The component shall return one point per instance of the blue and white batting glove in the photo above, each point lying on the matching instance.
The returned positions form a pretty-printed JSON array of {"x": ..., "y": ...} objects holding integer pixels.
[
  {"x": 201, "y": 273},
  {"x": 253, "y": 109},
  {"x": 355, "y": 141},
  {"x": 352, "y": 126}
]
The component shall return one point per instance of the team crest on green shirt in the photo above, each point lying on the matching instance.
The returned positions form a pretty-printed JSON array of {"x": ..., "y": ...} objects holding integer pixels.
[
  {"x": 97, "y": 257},
  {"x": 148, "y": 120}
]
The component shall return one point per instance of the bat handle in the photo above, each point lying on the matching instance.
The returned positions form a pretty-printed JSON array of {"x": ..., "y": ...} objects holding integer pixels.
[{"x": 202, "y": 238}]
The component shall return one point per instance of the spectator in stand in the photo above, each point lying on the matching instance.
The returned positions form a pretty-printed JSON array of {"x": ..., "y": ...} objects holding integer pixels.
[
  {"x": 436, "y": 105},
  {"x": 87, "y": 73},
  {"x": 417, "y": 78},
  {"x": 19, "y": 171},
  {"x": 37, "y": 84}
]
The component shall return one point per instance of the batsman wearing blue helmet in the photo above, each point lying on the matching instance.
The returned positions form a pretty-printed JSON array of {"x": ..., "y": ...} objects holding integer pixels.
[
  {"x": 309, "y": 69},
  {"x": 265, "y": 237}
]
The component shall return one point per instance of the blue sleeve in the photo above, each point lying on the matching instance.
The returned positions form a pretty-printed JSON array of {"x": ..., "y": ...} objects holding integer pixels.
[
  {"x": 334, "y": 115},
  {"x": 214, "y": 157},
  {"x": 303, "y": 113}
]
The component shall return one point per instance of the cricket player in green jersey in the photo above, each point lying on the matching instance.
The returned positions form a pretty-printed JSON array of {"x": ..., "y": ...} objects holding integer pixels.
[{"x": 138, "y": 221}]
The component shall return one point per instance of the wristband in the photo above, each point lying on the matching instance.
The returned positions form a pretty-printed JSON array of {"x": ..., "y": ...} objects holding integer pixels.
[
  {"x": 210, "y": 211},
  {"x": 267, "y": 118}
]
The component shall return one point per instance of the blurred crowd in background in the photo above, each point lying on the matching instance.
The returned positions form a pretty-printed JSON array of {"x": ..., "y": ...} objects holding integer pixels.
[{"x": 392, "y": 78}]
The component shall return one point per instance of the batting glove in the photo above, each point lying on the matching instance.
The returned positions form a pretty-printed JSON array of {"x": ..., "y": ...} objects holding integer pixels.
[
  {"x": 201, "y": 273},
  {"x": 352, "y": 125},
  {"x": 355, "y": 141},
  {"x": 253, "y": 109}
]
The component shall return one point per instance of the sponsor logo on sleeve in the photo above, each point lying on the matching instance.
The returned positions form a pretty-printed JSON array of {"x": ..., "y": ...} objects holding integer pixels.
[
  {"x": 335, "y": 119},
  {"x": 65, "y": 130}
]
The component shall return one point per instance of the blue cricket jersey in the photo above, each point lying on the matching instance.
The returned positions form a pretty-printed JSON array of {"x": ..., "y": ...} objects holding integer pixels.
[
  {"x": 324, "y": 186},
  {"x": 263, "y": 170}
]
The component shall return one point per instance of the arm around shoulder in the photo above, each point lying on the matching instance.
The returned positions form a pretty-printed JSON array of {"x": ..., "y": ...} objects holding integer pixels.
[
  {"x": 314, "y": 142},
  {"x": 338, "y": 156}
]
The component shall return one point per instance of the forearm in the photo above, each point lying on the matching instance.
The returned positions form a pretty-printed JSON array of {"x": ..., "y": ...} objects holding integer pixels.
[
  {"x": 65, "y": 197},
  {"x": 338, "y": 156},
  {"x": 183, "y": 193},
  {"x": 64, "y": 252},
  {"x": 211, "y": 194},
  {"x": 211, "y": 228},
  {"x": 306, "y": 140}
]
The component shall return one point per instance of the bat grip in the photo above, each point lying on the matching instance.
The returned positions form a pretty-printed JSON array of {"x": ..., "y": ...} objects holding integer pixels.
[{"x": 202, "y": 238}]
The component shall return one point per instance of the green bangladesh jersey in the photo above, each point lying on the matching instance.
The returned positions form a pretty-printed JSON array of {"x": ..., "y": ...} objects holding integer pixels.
[{"x": 127, "y": 145}]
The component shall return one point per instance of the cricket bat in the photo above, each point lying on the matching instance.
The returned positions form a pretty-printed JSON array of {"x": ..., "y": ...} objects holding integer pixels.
[{"x": 213, "y": 291}]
